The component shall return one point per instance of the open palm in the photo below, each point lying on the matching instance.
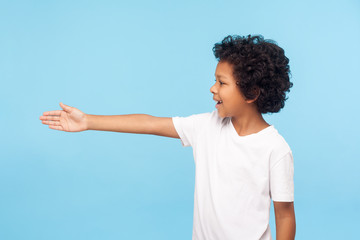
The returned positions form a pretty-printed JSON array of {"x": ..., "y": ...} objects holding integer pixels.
[{"x": 70, "y": 119}]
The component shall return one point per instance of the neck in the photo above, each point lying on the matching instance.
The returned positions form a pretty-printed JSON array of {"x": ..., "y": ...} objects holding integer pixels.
[{"x": 249, "y": 122}]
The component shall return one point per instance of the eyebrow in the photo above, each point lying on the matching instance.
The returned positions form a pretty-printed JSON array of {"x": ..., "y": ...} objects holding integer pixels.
[{"x": 220, "y": 76}]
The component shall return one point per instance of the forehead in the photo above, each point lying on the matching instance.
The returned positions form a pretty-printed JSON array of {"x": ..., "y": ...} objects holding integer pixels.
[{"x": 224, "y": 70}]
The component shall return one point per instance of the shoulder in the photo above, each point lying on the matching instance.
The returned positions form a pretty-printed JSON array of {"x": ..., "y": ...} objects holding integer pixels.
[
  {"x": 194, "y": 121},
  {"x": 279, "y": 146},
  {"x": 208, "y": 121}
]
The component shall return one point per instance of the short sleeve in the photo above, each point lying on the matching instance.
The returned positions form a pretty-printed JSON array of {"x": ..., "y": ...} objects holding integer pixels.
[
  {"x": 189, "y": 127},
  {"x": 282, "y": 179}
]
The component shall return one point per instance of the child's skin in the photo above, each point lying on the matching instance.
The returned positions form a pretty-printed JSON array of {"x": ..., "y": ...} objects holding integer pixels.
[{"x": 245, "y": 118}]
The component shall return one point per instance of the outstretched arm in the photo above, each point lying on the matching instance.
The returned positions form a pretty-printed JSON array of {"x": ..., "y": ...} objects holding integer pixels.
[
  {"x": 71, "y": 119},
  {"x": 133, "y": 123}
]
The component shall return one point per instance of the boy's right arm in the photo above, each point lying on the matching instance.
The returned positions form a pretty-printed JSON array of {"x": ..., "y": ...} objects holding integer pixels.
[
  {"x": 133, "y": 123},
  {"x": 71, "y": 119}
]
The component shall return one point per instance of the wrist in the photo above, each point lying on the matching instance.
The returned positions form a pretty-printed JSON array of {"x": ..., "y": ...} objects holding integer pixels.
[{"x": 87, "y": 121}]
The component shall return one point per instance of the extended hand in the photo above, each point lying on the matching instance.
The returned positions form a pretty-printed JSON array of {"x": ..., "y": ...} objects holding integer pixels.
[{"x": 69, "y": 119}]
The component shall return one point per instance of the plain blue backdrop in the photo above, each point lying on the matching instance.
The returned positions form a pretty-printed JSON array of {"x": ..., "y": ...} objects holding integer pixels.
[{"x": 155, "y": 57}]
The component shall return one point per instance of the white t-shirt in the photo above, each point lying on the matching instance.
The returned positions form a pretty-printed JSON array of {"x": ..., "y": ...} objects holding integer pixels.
[{"x": 235, "y": 177}]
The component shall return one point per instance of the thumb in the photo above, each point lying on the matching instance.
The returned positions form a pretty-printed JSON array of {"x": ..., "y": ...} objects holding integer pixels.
[{"x": 65, "y": 107}]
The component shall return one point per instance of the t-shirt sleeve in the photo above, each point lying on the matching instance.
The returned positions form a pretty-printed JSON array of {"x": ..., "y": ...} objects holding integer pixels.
[
  {"x": 189, "y": 127},
  {"x": 282, "y": 179}
]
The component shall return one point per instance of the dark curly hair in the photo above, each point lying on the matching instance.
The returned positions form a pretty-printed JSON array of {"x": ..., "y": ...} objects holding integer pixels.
[{"x": 260, "y": 69}]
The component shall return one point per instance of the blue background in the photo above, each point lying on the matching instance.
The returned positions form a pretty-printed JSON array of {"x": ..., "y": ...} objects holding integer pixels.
[{"x": 155, "y": 57}]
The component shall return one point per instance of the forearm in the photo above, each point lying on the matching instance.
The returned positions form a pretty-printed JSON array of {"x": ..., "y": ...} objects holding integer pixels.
[
  {"x": 129, "y": 123},
  {"x": 285, "y": 228}
]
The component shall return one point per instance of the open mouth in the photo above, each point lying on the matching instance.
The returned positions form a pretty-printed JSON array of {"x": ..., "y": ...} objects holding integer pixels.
[{"x": 218, "y": 103}]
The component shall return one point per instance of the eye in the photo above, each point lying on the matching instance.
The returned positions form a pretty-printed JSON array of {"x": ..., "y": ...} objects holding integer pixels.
[{"x": 221, "y": 83}]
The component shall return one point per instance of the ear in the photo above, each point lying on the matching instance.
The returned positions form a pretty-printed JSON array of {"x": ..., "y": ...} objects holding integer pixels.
[{"x": 256, "y": 92}]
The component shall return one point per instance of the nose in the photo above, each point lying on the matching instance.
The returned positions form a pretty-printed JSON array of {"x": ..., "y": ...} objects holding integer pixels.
[{"x": 213, "y": 89}]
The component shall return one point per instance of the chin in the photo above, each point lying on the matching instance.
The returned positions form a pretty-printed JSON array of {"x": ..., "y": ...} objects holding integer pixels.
[{"x": 221, "y": 114}]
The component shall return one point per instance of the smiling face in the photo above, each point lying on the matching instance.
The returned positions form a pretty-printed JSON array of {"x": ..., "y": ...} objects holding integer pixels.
[{"x": 226, "y": 90}]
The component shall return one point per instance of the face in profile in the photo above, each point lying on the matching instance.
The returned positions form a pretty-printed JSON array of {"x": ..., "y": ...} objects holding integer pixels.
[{"x": 227, "y": 91}]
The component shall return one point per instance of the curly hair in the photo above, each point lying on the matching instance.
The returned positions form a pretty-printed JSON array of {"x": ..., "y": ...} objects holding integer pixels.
[{"x": 260, "y": 69}]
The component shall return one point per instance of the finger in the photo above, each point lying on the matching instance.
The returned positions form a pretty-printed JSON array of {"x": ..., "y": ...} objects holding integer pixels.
[
  {"x": 65, "y": 107},
  {"x": 50, "y": 118},
  {"x": 51, "y": 122},
  {"x": 56, "y": 127},
  {"x": 53, "y": 113}
]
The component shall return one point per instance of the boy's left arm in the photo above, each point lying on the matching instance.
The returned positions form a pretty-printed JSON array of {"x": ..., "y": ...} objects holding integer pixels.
[{"x": 285, "y": 220}]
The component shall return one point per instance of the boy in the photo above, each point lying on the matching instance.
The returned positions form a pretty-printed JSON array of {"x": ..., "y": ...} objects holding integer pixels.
[{"x": 241, "y": 161}]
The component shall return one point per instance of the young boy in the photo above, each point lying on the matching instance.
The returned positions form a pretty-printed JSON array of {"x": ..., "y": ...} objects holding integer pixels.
[{"x": 241, "y": 161}]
